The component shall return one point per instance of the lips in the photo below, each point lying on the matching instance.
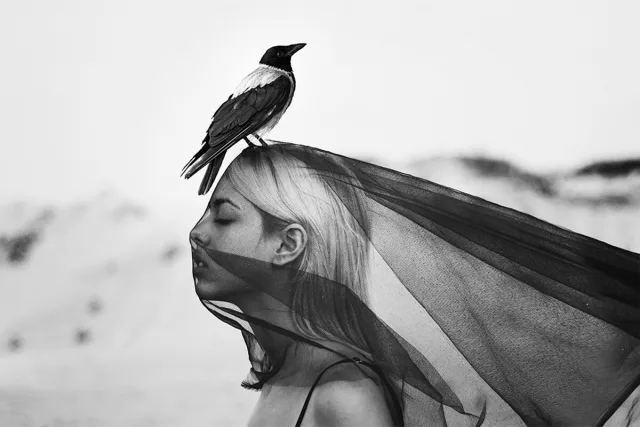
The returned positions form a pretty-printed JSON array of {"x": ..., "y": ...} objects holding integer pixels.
[
  {"x": 198, "y": 260},
  {"x": 199, "y": 257}
]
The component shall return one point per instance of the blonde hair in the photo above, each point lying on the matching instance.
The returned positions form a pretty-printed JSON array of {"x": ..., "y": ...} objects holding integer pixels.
[{"x": 286, "y": 190}]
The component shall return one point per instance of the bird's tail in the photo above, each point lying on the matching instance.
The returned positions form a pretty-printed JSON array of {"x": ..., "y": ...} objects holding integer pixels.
[
  {"x": 210, "y": 174},
  {"x": 205, "y": 155},
  {"x": 205, "y": 147},
  {"x": 207, "y": 152}
]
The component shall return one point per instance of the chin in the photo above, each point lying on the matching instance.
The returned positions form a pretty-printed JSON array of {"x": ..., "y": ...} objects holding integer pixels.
[
  {"x": 207, "y": 289},
  {"x": 214, "y": 283}
]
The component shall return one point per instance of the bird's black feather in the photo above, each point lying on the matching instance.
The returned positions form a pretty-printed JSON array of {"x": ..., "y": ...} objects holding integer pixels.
[
  {"x": 210, "y": 175},
  {"x": 237, "y": 118},
  {"x": 210, "y": 153},
  {"x": 256, "y": 106}
]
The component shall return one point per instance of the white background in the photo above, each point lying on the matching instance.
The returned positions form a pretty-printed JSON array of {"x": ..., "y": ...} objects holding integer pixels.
[{"x": 118, "y": 94}]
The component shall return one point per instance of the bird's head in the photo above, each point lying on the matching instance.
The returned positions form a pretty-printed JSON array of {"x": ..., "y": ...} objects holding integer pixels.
[{"x": 280, "y": 56}]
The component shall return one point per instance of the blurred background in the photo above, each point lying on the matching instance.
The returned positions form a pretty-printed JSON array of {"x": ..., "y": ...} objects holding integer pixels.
[{"x": 532, "y": 105}]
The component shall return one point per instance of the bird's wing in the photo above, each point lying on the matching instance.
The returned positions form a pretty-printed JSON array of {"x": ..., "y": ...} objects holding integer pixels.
[
  {"x": 238, "y": 117},
  {"x": 249, "y": 111}
]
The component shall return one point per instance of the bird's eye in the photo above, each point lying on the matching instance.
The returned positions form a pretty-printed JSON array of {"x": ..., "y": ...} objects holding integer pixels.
[{"x": 280, "y": 54}]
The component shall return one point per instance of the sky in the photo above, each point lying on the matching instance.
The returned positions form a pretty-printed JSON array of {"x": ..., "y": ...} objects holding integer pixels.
[{"x": 118, "y": 94}]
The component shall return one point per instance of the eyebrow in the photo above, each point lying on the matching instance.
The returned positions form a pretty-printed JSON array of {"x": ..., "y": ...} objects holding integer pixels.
[{"x": 221, "y": 200}]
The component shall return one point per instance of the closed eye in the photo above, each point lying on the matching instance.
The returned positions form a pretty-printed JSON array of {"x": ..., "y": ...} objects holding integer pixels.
[{"x": 222, "y": 221}]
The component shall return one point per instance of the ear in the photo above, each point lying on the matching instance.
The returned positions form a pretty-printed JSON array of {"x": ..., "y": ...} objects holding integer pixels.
[{"x": 293, "y": 240}]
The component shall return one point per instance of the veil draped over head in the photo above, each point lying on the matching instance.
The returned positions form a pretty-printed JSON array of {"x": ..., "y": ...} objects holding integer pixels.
[{"x": 473, "y": 313}]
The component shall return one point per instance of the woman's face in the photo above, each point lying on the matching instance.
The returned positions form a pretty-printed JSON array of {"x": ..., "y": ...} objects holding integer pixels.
[{"x": 233, "y": 225}]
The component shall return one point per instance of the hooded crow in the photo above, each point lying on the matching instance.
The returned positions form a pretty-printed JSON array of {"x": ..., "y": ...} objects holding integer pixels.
[{"x": 253, "y": 109}]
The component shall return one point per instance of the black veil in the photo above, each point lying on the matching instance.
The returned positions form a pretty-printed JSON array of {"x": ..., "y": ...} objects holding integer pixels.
[{"x": 474, "y": 314}]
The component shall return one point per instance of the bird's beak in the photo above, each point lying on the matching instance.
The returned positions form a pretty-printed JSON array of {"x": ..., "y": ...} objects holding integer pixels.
[{"x": 294, "y": 48}]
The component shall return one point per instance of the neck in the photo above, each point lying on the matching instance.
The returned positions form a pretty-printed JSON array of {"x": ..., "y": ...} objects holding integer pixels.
[
  {"x": 299, "y": 357},
  {"x": 272, "y": 311},
  {"x": 271, "y": 67}
]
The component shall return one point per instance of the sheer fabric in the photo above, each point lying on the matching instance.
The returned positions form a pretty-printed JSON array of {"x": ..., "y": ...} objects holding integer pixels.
[{"x": 475, "y": 314}]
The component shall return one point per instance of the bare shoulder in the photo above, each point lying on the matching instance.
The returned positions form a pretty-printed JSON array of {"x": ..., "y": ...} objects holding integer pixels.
[{"x": 347, "y": 398}]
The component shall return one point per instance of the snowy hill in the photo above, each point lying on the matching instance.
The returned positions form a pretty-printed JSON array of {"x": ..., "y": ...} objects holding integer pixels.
[
  {"x": 595, "y": 200},
  {"x": 100, "y": 326},
  {"x": 99, "y": 323}
]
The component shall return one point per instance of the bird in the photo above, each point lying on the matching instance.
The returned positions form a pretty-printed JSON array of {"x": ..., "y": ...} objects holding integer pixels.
[{"x": 253, "y": 109}]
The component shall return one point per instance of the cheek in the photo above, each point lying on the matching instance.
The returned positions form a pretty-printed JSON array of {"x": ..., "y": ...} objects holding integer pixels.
[
  {"x": 240, "y": 239},
  {"x": 231, "y": 239}
]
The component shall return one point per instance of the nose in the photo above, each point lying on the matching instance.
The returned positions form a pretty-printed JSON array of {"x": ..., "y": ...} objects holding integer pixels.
[{"x": 198, "y": 237}]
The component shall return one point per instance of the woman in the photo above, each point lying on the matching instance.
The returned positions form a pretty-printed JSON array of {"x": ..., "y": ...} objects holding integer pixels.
[
  {"x": 268, "y": 207},
  {"x": 370, "y": 297}
]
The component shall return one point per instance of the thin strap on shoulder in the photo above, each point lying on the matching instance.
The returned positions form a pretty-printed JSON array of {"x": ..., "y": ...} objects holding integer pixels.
[
  {"x": 306, "y": 402},
  {"x": 358, "y": 361},
  {"x": 396, "y": 404}
]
